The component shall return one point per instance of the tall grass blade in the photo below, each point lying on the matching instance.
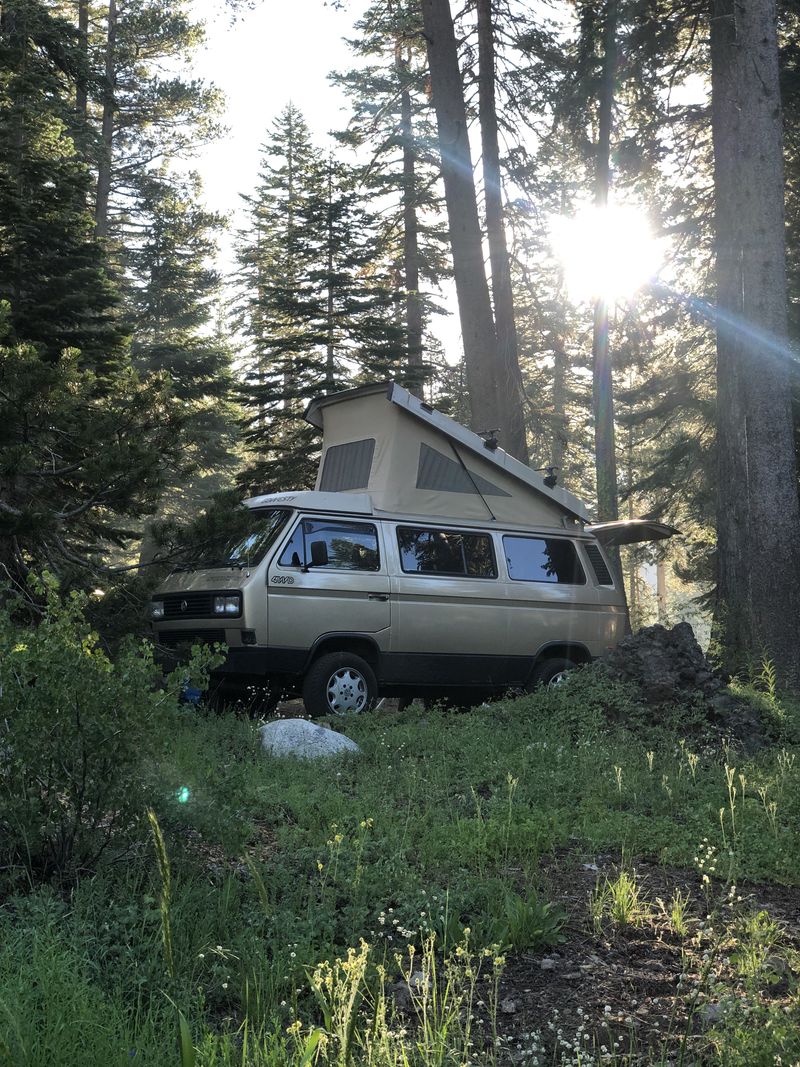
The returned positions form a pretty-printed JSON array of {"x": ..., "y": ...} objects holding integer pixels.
[
  {"x": 166, "y": 889},
  {"x": 188, "y": 1057}
]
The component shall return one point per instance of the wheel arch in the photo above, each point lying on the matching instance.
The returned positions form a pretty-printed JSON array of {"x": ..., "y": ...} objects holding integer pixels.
[
  {"x": 572, "y": 650},
  {"x": 359, "y": 644}
]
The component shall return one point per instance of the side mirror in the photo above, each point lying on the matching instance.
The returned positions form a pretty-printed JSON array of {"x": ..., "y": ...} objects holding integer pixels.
[{"x": 319, "y": 553}]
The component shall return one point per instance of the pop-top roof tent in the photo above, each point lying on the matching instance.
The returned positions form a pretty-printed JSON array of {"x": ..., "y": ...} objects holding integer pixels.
[{"x": 415, "y": 461}]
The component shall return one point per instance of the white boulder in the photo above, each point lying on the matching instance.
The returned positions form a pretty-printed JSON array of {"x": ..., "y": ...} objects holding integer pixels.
[{"x": 304, "y": 740}]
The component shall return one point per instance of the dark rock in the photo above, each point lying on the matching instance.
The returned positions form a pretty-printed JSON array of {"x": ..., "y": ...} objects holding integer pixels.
[{"x": 669, "y": 667}]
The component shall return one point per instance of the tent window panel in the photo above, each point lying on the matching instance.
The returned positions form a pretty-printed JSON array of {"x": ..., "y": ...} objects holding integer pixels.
[
  {"x": 543, "y": 559},
  {"x": 444, "y": 475},
  {"x": 446, "y": 552},
  {"x": 347, "y": 466}
]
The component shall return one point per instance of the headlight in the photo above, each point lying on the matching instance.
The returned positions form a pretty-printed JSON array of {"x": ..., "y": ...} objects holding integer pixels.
[
  {"x": 156, "y": 609},
  {"x": 227, "y": 605}
]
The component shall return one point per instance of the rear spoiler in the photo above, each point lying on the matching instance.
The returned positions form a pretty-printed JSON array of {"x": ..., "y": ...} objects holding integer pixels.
[{"x": 630, "y": 532}]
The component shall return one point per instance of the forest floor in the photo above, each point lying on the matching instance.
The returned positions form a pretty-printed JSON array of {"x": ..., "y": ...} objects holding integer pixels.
[
  {"x": 568, "y": 878},
  {"x": 642, "y": 990}
]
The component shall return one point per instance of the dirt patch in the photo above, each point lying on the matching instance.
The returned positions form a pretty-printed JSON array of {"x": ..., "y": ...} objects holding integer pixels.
[{"x": 643, "y": 990}]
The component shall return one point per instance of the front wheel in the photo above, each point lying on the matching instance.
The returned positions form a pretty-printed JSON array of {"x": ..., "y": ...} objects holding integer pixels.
[
  {"x": 339, "y": 684},
  {"x": 550, "y": 673}
]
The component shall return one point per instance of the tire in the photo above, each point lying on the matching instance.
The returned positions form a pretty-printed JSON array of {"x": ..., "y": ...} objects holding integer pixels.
[
  {"x": 550, "y": 673},
  {"x": 339, "y": 683}
]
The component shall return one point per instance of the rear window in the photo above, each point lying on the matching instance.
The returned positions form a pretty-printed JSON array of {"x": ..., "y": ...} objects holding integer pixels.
[
  {"x": 352, "y": 546},
  {"x": 543, "y": 559},
  {"x": 446, "y": 552}
]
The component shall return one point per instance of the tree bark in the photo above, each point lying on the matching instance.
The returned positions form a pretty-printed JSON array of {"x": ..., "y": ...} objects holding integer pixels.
[
  {"x": 413, "y": 303},
  {"x": 81, "y": 97},
  {"x": 661, "y": 592},
  {"x": 510, "y": 391},
  {"x": 602, "y": 379},
  {"x": 107, "y": 132},
  {"x": 472, "y": 290},
  {"x": 560, "y": 422},
  {"x": 758, "y": 517}
]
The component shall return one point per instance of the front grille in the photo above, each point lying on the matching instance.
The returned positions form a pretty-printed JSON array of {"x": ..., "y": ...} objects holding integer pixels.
[
  {"x": 173, "y": 638},
  {"x": 197, "y": 605}
]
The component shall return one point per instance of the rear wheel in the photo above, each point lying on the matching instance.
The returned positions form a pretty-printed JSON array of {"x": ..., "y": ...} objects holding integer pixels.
[
  {"x": 551, "y": 672},
  {"x": 339, "y": 683}
]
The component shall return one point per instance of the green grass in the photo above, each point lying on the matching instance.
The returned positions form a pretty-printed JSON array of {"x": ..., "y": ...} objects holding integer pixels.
[{"x": 442, "y": 824}]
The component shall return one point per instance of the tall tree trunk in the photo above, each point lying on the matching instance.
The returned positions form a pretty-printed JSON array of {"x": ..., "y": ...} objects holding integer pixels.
[
  {"x": 633, "y": 557},
  {"x": 510, "y": 390},
  {"x": 472, "y": 290},
  {"x": 758, "y": 518},
  {"x": 560, "y": 423},
  {"x": 81, "y": 98},
  {"x": 602, "y": 384},
  {"x": 605, "y": 454},
  {"x": 107, "y": 133},
  {"x": 289, "y": 403},
  {"x": 330, "y": 367},
  {"x": 413, "y": 303}
]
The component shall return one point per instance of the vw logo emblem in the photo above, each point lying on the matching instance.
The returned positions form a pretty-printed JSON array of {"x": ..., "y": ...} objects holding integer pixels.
[{"x": 184, "y": 605}]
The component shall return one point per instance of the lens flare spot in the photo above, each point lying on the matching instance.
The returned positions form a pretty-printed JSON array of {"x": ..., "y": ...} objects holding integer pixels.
[
  {"x": 607, "y": 253},
  {"x": 183, "y": 794}
]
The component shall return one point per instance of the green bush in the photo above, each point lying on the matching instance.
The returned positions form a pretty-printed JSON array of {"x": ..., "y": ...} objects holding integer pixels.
[{"x": 79, "y": 736}]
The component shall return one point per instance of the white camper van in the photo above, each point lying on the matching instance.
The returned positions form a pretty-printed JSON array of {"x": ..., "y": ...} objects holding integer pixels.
[{"x": 426, "y": 561}]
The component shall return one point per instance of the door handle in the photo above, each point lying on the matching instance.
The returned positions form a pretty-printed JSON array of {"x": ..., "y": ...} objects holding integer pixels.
[{"x": 377, "y": 596}]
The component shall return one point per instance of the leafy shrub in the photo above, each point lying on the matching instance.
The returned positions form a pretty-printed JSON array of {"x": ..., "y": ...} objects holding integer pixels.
[
  {"x": 528, "y": 923},
  {"x": 78, "y": 738}
]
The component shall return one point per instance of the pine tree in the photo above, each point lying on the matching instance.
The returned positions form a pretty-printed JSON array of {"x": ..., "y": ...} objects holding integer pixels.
[
  {"x": 60, "y": 292},
  {"x": 392, "y": 120},
  {"x": 142, "y": 116},
  {"x": 83, "y": 440},
  {"x": 316, "y": 303},
  {"x": 276, "y": 310},
  {"x": 175, "y": 301}
]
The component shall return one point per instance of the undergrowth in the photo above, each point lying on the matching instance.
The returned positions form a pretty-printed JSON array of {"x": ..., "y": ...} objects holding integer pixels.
[{"x": 362, "y": 910}]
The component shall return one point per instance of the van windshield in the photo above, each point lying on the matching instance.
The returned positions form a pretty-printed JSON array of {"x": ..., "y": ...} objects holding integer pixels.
[{"x": 243, "y": 541}]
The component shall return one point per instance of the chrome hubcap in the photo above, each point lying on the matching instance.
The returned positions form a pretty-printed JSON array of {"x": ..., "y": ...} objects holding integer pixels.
[
  {"x": 346, "y": 691},
  {"x": 558, "y": 679}
]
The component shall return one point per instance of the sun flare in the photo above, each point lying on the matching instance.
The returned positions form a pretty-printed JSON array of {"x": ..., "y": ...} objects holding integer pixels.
[{"x": 606, "y": 253}]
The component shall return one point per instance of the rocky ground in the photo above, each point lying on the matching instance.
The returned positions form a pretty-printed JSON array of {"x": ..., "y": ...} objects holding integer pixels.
[{"x": 644, "y": 988}]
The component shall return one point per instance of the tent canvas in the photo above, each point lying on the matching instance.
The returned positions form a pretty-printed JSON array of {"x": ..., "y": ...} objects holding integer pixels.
[{"x": 413, "y": 460}]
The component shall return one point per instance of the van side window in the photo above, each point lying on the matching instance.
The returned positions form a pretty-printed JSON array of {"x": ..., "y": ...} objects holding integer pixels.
[
  {"x": 543, "y": 559},
  {"x": 601, "y": 571},
  {"x": 351, "y": 546},
  {"x": 446, "y": 552},
  {"x": 292, "y": 555}
]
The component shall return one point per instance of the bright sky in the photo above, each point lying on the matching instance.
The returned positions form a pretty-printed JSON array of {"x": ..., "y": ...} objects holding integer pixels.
[
  {"x": 276, "y": 53},
  {"x": 280, "y": 51}
]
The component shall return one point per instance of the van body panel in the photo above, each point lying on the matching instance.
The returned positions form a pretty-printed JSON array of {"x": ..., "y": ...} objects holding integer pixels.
[
  {"x": 410, "y": 670},
  {"x": 630, "y": 531},
  {"x": 306, "y": 604}
]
